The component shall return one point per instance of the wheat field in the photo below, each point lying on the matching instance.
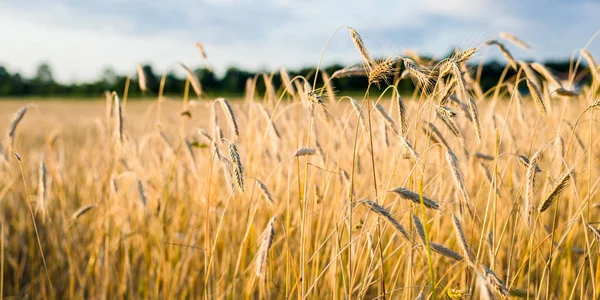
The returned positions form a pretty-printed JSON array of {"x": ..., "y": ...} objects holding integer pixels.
[{"x": 451, "y": 192}]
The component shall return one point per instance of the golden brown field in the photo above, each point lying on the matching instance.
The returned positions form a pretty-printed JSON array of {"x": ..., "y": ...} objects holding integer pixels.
[{"x": 451, "y": 193}]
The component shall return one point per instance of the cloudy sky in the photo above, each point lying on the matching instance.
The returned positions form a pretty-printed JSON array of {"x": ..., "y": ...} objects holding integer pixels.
[{"x": 79, "y": 38}]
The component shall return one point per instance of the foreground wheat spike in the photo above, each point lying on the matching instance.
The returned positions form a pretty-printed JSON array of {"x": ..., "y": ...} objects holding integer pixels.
[
  {"x": 595, "y": 231},
  {"x": 378, "y": 209},
  {"x": 42, "y": 187},
  {"x": 193, "y": 80},
  {"x": 557, "y": 189},
  {"x": 435, "y": 247},
  {"x": 119, "y": 117},
  {"x": 267, "y": 195},
  {"x": 495, "y": 284},
  {"x": 265, "y": 245},
  {"x": 141, "y": 78},
  {"x": 566, "y": 93},
  {"x": 12, "y": 128},
  {"x": 230, "y": 117},
  {"x": 362, "y": 49},
  {"x": 237, "y": 167},
  {"x": 529, "y": 187},
  {"x": 414, "y": 197},
  {"x": 380, "y": 71},
  {"x": 547, "y": 74},
  {"x": 515, "y": 40},
  {"x": 462, "y": 241},
  {"x": 80, "y": 212},
  {"x": 524, "y": 161},
  {"x": 305, "y": 152},
  {"x": 505, "y": 52},
  {"x": 141, "y": 192},
  {"x": 200, "y": 48}
]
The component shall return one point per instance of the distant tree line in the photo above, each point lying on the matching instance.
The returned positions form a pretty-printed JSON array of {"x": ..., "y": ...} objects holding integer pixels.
[{"x": 233, "y": 82}]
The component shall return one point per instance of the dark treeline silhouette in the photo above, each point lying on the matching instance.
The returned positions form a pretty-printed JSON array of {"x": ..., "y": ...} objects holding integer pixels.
[{"x": 233, "y": 82}]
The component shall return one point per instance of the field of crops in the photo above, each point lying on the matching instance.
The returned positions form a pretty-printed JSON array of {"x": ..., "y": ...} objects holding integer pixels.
[{"x": 448, "y": 193}]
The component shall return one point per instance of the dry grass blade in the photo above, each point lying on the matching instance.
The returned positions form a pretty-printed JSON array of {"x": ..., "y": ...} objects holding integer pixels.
[
  {"x": 415, "y": 197},
  {"x": 265, "y": 245},
  {"x": 80, "y": 212},
  {"x": 557, "y": 189},
  {"x": 193, "y": 80},
  {"x": 378, "y": 209}
]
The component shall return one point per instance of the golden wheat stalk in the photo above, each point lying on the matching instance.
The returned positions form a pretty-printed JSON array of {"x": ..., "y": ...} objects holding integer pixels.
[
  {"x": 142, "y": 78},
  {"x": 464, "y": 246},
  {"x": 515, "y": 40},
  {"x": 504, "y": 51},
  {"x": 536, "y": 95},
  {"x": 200, "y": 48},
  {"x": 230, "y": 117},
  {"x": 440, "y": 249},
  {"x": 193, "y": 80},
  {"x": 83, "y": 210},
  {"x": 266, "y": 194},
  {"x": 362, "y": 49},
  {"x": 263, "y": 251},
  {"x": 415, "y": 197},
  {"x": 12, "y": 127},
  {"x": 559, "y": 187},
  {"x": 378, "y": 209},
  {"x": 546, "y": 74},
  {"x": 238, "y": 168},
  {"x": 459, "y": 181}
]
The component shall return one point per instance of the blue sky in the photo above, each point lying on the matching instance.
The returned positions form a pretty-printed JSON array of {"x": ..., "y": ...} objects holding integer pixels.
[{"x": 81, "y": 37}]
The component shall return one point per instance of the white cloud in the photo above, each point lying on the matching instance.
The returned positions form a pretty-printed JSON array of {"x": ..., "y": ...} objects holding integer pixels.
[{"x": 80, "y": 38}]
